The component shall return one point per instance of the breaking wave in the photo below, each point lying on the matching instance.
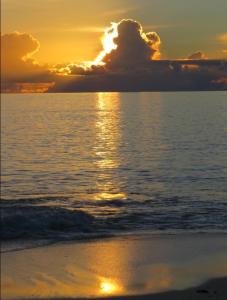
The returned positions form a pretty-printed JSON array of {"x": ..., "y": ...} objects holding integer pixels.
[
  {"x": 56, "y": 219},
  {"x": 43, "y": 222}
]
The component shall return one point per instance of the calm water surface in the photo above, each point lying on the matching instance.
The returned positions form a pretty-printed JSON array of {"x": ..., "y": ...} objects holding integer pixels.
[{"x": 101, "y": 163}]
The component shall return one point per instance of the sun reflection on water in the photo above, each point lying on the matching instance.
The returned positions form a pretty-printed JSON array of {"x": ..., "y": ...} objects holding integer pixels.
[
  {"x": 107, "y": 130},
  {"x": 108, "y": 138}
]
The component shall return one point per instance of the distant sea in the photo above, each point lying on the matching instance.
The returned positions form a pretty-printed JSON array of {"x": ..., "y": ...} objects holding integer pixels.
[{"x": 87, "y": 165}]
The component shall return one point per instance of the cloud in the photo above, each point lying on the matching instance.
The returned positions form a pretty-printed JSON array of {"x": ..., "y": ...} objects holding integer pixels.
[
  {"x": 159, "y": 76},
  {"x": 134, "y": 48},
  {"x": 221, "y": 82},
  {"x": 17, "y": 64},
  {"x": 19, "y": 45},
  {"x": 197, "y": 55},
  {"x": 125, "y": 46},
  {"x": 129, "y": 62},
  {"x": 222, "y": 38}
]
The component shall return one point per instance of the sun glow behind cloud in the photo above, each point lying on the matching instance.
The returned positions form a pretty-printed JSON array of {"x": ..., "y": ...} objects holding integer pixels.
[
  {"x": 127, "y": 50},
  {"x": 108, "y": 42},
  {"x": 129, "y": 38}
]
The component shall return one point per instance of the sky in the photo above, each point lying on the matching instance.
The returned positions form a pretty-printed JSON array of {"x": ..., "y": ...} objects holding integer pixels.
[
  {"x": 113, "y": 45},
  {"x": 70, "y": 31}
]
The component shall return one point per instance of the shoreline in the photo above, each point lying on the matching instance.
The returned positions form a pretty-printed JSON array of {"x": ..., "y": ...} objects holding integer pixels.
[
  {"x": 21, "y": 245},
  {"x": 156, "y": 267}
]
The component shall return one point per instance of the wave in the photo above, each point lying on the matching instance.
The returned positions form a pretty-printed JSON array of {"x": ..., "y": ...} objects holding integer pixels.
[
  {"x": 43, "y": 222},
  {"x": 59, "y": 218}
]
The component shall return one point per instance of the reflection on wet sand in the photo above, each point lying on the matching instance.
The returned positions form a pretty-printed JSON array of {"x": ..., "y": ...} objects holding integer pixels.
[
  {"x": 109, "y": 287},
  {"x": 112, "y": 267},
  {"x": 107, "y": 140}
]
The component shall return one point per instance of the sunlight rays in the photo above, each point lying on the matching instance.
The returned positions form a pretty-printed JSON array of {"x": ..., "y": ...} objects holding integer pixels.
[{"x": 108, "y": 42}]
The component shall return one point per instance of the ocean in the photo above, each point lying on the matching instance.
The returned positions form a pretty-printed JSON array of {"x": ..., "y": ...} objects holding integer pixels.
[{"x": 93, "y": 165}]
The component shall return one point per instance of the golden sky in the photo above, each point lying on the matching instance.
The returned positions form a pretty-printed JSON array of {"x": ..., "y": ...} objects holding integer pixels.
[{"x": 70, "y": 30}]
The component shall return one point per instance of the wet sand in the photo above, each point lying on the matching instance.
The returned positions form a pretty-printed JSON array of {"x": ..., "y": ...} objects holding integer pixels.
[
  {"x": 213, "y": 289},
  {"x": 160, "y": 267}
]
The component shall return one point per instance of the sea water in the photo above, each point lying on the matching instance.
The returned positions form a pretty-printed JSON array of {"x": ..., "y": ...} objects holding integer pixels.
[{"x": 100, "y": 164}]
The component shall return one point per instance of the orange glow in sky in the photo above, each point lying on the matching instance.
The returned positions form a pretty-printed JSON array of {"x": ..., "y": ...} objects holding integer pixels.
[{"x": 68, "y": 31}]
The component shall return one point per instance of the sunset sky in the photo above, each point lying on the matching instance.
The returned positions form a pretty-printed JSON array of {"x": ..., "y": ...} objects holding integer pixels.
[
  {"x": 113, "y": 45},
  {"x": 70, "y": 30}
]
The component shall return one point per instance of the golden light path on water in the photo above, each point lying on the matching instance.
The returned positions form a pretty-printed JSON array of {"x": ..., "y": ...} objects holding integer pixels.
[{"x": 108, "y": 137}]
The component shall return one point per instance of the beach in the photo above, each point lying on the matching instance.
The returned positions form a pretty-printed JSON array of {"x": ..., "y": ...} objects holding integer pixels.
[{"x": 160, "y": 267}]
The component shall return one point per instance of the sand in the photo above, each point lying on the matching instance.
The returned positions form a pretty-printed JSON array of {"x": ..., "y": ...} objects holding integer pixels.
[
  {"x": 213, "y": 289},
  {"x": 160, "y": 267}
]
